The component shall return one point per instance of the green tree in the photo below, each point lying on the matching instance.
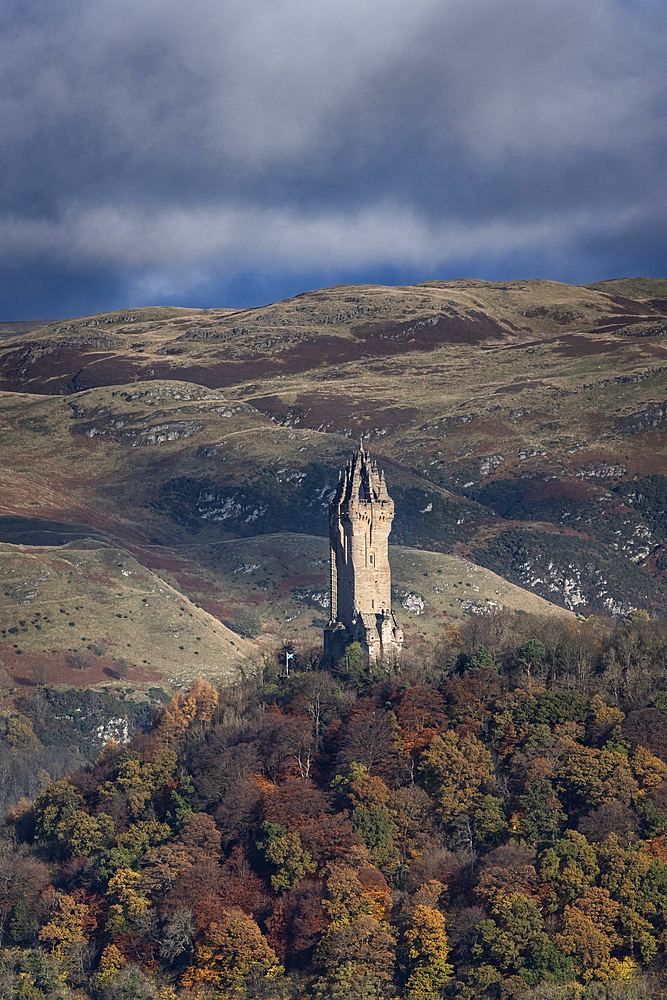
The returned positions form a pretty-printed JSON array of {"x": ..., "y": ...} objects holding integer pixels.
[
  {"x": 131, "y": 845},
  {"x": 542, "y": 816},
  {"x": 637, "y": 882},
  {"x": 532, "y": 657},
  {"x": 368, "y": 797},
  {"x": 377, "y": 830},
  {"x": 489, "y": 822},
  {"x": 54, "y": 813},
  {"x": 356, "y": 669},
  {"x": 515, "y": 942},
  {"x": 482, "y": 659},
  {"x": 570, "y": 867},
  {"x": 291, "y": 860},
  {"x": 87, "y": 834},
  {"x": 140, "y": 781}
]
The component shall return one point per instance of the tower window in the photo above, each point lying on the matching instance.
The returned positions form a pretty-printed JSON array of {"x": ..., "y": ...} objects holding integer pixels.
[
  {"x": 371, "y": 560},
  {"x": 373, "y": 604}
]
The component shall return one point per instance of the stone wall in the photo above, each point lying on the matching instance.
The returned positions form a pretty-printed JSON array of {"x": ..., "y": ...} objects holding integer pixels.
[{"x": 360, "y": 518}]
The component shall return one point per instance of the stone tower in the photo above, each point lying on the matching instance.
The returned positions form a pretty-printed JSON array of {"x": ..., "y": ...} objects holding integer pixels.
[{"x": 360, "y": 517}]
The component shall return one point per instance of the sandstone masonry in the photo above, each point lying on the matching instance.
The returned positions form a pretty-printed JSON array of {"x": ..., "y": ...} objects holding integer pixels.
[{"x": 360, "y": 518}]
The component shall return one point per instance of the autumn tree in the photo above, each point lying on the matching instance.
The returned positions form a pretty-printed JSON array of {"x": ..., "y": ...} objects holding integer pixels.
[
  {"x": 286, "y": 744},
  {"x": 132, "y": 844},
  {"x": 425, "y": 947},
  {"x": 127, "y": 901},
  {"x": 230, "y": 951},
  {"x": 303, "y": 921},
  {"x": 353, "y": 891},
  {"x": 420, "y": 713},
  {"x": 589, "y": 931},
  {"x": 111, "y": 962},
  {"x": 23, "y": 881},
  {"x": 411, "y": 812},
  {"x": 239, "y": 885},
  {"x": 470, "y": 699},
  {"x": 224, "y": 781},
  {"x": 369, "y": 737},
  {"x": 65, "y": 928},
  {"x": 590, "y": 777},
  {"x": 184, "y": 875},
  {"x": 53, "y": 810},
  {"x": 359, "y": 956},
  {"x": 187, "y": 718},
  {"x": 455, "y": 770},
  {"x": 318, "y": 695},
  {"x": 506, "y": 870}
]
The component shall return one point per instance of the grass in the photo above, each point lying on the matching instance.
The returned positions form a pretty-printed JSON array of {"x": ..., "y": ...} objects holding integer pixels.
[
  {"x": 632, "y": 288},
  {"x": 56, "y": 602},
  {"x": 296, "y": 407},
  {"x": 294, "y": 605}
]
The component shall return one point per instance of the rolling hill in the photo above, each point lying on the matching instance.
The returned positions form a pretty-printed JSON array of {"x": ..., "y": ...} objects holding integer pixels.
[{"x": 522, "y": 426}]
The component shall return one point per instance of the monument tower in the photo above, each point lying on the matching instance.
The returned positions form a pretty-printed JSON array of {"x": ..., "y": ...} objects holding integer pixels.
[{"x": 360, "y": 517}]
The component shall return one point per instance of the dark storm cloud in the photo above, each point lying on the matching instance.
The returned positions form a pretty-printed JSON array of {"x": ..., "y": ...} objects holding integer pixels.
[{"x": 165, "y": 147}]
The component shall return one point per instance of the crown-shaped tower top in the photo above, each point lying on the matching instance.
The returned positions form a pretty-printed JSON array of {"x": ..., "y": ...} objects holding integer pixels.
[{"x": 360, "y": 479}]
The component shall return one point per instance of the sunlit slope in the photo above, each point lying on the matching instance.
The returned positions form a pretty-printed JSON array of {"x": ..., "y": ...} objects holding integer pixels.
[
  {"x": 522, "y": 425},
  {"x": 347, "y": 323},
  {"x": 279, "y": 584},
  {"x": 76, "y": 611},
  {"x": 80, "y": 608}
]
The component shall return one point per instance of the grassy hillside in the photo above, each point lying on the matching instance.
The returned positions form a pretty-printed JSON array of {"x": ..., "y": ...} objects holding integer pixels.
[
  {"x": 522, "y": 425},
  {"x": 86, "y": 614},
  {"x": 71, "y": 615},
  {"x": 284, "y": 579}
]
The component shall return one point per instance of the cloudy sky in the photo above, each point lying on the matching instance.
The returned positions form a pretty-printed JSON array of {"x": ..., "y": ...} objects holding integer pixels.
[{"x": 233, "y": 152}]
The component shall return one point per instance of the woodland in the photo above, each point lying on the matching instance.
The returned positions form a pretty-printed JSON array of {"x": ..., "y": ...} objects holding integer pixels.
[{"x": 487, "y": 819}]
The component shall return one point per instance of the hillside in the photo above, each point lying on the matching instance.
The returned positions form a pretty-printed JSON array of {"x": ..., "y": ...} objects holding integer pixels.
[
  {"x": 457, "y": 831},
  {"x": 521, "y": 424},
  {"x": 86, "y": 613}
]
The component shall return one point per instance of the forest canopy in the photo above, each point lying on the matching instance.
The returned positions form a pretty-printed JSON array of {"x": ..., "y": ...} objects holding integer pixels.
[{"x": 488, "y": 820}]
